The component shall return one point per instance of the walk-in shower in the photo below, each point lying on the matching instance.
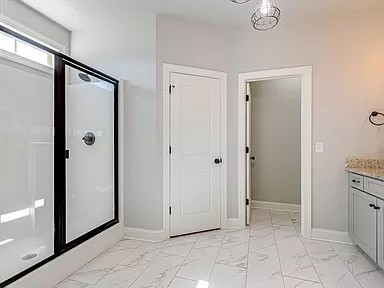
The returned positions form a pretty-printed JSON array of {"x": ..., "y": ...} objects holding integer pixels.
[{"x": 58, "y": 158}]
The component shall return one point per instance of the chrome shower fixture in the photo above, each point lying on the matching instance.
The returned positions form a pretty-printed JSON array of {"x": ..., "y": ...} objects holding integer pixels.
[{"x": 84, "y": 77}]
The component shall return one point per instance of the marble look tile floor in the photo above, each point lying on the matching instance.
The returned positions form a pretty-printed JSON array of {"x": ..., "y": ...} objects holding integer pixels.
[{"x": 270, "y": 253}]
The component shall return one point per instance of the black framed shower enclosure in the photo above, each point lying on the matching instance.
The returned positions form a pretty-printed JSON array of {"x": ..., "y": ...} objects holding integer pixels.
[{"x": 64, "y": 237}]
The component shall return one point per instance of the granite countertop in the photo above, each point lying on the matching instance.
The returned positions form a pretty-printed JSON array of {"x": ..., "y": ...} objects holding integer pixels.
[{"x": 371, "y": 167}]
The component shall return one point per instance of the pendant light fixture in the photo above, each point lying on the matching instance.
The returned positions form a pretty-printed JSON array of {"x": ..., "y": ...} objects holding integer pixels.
[
  {"x": 267, "y": 15},
  {"x": 240, "y": 1}
]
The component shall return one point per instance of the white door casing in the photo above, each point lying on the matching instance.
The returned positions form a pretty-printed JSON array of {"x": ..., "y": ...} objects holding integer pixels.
[
  {"x": 248, "y": 154},
  {"x": 305, "y": 73},
  {"x": 196, "y": 167}
]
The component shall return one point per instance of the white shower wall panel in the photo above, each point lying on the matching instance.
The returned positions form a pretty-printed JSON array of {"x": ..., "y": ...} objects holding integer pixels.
[{"x": 90, "y": 169}]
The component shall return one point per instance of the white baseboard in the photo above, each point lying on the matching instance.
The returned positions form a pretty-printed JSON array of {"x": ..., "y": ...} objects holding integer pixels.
[
  {"x": 331, "y": 235},
  {"x": 234, "y": 223},
  {"x": 145, "y": 234},
  {"x": 276, "y": 206}
]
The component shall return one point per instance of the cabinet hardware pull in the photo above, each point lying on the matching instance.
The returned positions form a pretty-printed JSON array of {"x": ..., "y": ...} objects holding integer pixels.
[
  {"x": 377, "y": 208},
  {"x": 372, "y": 205},
  {"x": 356, "y": 181}
]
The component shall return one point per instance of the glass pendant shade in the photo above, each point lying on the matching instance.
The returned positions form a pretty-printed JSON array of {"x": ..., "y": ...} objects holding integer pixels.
[
  {"x": 240, "y": 1},
  {"x": 267, "y": 15}
]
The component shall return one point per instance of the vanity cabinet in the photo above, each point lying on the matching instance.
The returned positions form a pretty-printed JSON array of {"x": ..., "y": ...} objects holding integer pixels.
[{"x": 366, "y": 215}]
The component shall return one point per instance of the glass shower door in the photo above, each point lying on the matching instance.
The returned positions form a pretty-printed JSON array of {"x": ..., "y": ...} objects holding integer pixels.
[
  {"x": 90, "y": 147},
  {"x": 58, "y": 154},
  {"x": 26, "y": 165}
]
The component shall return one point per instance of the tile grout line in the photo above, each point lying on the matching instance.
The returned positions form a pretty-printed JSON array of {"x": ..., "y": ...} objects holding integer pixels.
[
  {"x": 249, "y": 247},
  {"x": 185, "y": 258},
  {"x": 109, "y": 270},
  {"x": 345, "y": 265},
  {"x": 149, "y": 263},
  {"x": 217, "y": 256},
  {"x": 292, "y": 277},
  {"x": 277, "y": 249},
  {"x": 120, "y": 262},
  {"x": 306, "y": 252}
]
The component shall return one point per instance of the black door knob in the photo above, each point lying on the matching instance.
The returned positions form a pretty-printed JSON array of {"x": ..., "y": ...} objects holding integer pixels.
[
  {"x": 218, "y": 161},
  {"x": 253, "y": 158}
]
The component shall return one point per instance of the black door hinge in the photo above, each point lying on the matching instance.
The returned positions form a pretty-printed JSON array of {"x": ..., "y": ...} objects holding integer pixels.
[
  {"x": 247, "y": 202},
  {"x": 247, "y": 98},
  {"x": 247, "y": 150},
  {"x": 66, "y": 154},
  {"x": 170, "y": 150},
  {"x": 170, "y": 210},
  {"x": 170, "y": 89}
]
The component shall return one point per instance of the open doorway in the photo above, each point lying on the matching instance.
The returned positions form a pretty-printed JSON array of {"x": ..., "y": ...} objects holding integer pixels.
[
  {"x": 275, "y": 128},
  {"x": 273, "y": 137}
]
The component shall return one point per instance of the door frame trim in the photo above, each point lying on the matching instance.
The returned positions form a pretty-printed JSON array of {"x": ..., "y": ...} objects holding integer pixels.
[
  {"x": 305, "y": 72},
  {"x": 222, "y": 76}
]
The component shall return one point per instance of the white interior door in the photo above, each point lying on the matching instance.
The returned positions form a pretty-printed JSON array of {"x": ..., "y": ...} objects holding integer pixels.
[
  {"x": 248, "y": 155},
  {"x": 195, "y": 147}
]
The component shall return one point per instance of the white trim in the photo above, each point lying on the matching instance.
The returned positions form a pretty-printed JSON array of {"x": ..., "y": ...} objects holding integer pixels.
[
  {"x": 234, "y": 223},
  {"x": 25, "y": 62},
  {"x": 276, "y": 206},
  {"x": 30, "y": 33},
  {"x": 331, "y": 235},
  {"x": 145, "y": 234},
  {"x": 306, "y": 138},
  {"x": 170, "y": 68}
]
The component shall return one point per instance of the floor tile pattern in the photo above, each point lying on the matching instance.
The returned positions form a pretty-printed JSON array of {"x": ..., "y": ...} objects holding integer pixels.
[{"x": 270, "y": 253}]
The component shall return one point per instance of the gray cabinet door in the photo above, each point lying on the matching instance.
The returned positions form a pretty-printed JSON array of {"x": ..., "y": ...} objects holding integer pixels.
[
  {"x": 363, "y": 221},
  {"x": 380, "y": 231}
]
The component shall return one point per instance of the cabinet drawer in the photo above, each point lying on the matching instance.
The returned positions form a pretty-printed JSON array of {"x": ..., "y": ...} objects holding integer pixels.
[
  {"x": 374, "y": 187},
  {"x": 356, "y": 181}
]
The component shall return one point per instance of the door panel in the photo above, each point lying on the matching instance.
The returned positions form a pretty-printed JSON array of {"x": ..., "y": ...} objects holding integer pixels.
[
  {"x": 380, "y": 231},
  {"x": 195, "y": 131},
  {"x": 364, "y": 221},
  {"x": 248, "y": 156},
  {"x": 195, "y": 194},
  {"x": 195, "y": 140}
]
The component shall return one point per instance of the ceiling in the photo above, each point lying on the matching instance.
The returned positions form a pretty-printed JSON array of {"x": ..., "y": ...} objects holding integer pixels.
[{"x": 72, "y": 14}]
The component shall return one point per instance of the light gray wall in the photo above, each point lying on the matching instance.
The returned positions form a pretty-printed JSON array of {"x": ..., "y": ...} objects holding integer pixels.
[
  {"x": 275, "y": 140},
  {"x": 348, "y": 83},
  {"x": 130, "y": 53},
  {"x": 201, "y": 45},
  {"x": 36, "y": 21}
]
